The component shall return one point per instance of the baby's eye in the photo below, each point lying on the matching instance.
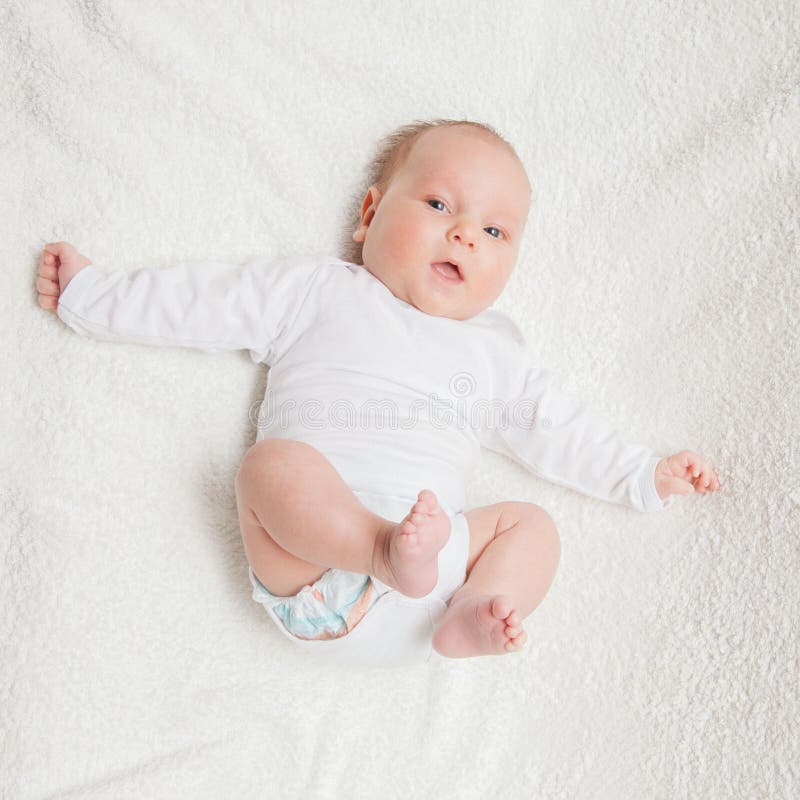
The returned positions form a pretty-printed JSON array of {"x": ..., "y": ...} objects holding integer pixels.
[
  {"x": 498, "y": 234},
  {"x": 443, "y": 206}
]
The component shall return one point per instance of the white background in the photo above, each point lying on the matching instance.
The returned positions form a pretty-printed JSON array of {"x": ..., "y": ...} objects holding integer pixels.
[{"x": 659, "y": 277}]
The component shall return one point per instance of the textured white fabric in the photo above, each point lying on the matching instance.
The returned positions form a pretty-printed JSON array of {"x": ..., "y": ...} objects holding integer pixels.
[
  {"x": 658, "y": 275},
  {"x": 369, "y": 379}
]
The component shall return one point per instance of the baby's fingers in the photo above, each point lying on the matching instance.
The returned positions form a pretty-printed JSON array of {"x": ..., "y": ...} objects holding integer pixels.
[
  {"x": 708, "y": 481},
  {"x": 689, "y": 462},
  {"x": 48, "y": 303},
  {"x": 48, "y": 271},
  {"x": 48, "y": 287},
  {"x": 703, "y": 477},
  {"x": 695, "y": 469}
]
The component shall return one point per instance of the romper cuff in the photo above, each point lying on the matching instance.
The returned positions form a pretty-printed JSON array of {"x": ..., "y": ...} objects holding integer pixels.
[{"x": 647, "y": 487}]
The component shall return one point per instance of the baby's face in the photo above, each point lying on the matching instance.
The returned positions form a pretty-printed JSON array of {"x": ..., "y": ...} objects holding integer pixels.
[{"x": 461, "y": 198}]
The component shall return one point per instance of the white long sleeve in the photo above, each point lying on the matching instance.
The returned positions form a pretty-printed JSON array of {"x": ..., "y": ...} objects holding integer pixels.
[
  {"x": 362, "y": 375},
  {"x": 207, "y": 305},
  {"x": 555, "y": 435}
]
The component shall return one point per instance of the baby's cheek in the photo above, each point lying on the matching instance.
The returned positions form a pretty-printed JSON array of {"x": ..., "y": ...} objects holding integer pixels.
[{"x": 402, "y": 243}]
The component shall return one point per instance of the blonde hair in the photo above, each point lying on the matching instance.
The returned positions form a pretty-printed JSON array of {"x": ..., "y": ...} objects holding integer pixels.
[{"x": 391, "y": 154}]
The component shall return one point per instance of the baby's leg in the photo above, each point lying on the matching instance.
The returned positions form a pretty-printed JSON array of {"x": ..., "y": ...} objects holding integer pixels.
[
  {"x": 514, "y": 552},
  {"x": 298, "y": 518}
]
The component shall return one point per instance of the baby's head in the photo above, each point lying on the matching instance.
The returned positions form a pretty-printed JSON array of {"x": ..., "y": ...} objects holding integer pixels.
[{"x": 443, "y": 191}]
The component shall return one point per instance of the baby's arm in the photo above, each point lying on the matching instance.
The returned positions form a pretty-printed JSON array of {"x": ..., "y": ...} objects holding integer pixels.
[
  {"x": 209, "y": 305},
  {"x": 564, "y": 440}
]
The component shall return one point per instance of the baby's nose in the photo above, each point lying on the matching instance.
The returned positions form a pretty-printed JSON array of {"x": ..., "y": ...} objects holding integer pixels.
[{"x": 464, "y": 234}]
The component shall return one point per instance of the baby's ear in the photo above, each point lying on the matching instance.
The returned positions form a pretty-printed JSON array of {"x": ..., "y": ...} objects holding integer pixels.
[{"x": 368, "y": 208}]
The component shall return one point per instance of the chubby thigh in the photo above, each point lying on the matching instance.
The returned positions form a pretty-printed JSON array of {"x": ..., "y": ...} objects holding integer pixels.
[{"x": 486, "y": 523}]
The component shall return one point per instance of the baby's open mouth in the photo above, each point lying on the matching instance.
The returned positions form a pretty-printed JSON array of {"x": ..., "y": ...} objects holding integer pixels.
[{"x": 447, "y": 270}]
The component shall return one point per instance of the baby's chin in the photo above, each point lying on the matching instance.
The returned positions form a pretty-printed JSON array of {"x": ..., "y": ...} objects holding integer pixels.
[
  {"x": 429, "y": 302},
  {"x": 436, "y": 307}
]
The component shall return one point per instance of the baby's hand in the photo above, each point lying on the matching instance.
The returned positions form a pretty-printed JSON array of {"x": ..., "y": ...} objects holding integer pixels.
[
  {"x": 59, "y": 264},
  {"x": 684, "y": 473}
]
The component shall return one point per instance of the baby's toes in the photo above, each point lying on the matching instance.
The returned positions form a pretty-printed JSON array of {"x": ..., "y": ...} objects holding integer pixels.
[
  {"x": 513, "y": 620},
  {"x": 426, "y": 502},
  {"x": 498, "y": 636},
  {"x": 424, "y": 509},
  {"x": 502, "y": 608}
]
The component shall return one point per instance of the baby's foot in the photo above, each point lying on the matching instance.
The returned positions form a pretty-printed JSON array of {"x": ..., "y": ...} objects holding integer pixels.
[
  {"x": 479, "y": 625},
  {"x": 406, "y": 555}
]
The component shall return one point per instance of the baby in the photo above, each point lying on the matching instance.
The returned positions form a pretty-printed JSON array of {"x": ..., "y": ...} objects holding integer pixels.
[{"x": 355, "y": 531}]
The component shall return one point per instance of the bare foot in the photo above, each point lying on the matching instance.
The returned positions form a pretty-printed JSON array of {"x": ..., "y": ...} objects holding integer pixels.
[
  {"x": 406, "y": 555},
  {"x": 479, "y": 625}
]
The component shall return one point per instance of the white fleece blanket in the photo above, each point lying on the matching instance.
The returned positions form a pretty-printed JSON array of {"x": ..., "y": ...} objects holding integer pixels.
[{"x": 659, "y": 277}]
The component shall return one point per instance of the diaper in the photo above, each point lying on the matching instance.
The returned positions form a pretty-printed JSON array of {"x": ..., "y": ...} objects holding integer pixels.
[
  {"x": 358, "y": 621},
  {"x": 330, "y": 607}
]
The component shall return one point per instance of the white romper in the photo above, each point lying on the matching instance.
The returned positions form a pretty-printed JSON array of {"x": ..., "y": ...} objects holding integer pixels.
[{"x": 396, "y": 399}]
